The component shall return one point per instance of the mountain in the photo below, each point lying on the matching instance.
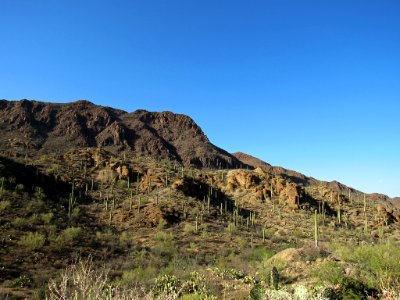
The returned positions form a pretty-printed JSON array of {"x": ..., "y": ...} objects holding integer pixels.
[
  {"x": 301, "y": 178},
  {"x": 87, "y": 185},
  {"x": 33, "y": 127}
]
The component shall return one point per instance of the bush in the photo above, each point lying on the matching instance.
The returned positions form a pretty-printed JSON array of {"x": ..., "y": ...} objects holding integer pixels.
[
  {"x": 32, "y": 240},
  {"x": 82, "y": 281},
  {"x": 165, "y": 245},
  {"x": 46, "y": 218},
  {"x": 4, "y": 205},
  {"x": 69, "y": 235},
  {"x": 21, "y": 282},
  {"x": 20, "y": 222},
  {"x": 39, "y": 194},
  {"x": 231, "y": 228},
  {"x": 260, "y": 254},
  {"x": 189, "y": 228},
  {"x": 138, "y": 276},
  {"x": 378, "y": 265},
  {"x": 329, "y": 272},
  {"x": 19, "y": 187}
]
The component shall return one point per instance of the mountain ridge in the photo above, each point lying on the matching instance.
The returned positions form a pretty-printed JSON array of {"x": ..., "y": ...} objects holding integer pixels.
[
  {"x": 300, "y": 178},
  {"x": 29, "y": 126}
]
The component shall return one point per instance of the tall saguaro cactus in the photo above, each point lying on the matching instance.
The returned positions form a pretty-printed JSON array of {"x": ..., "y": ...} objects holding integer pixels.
[{"x": 316, "y": 233}]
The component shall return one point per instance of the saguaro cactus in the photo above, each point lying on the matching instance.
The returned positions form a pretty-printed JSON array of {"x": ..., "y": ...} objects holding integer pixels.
[
  {"x": 316, "y": 235},
  {"x": 275, "y": 278}
]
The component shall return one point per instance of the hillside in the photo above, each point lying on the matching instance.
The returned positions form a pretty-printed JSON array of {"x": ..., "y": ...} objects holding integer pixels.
[
  {"x": 156, "y": 226},
  {"x": 33, "y": 127},
  {"x": 302, "y": 179}
]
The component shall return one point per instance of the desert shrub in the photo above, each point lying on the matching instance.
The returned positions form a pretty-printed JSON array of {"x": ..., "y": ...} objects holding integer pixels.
[
  {"x": 35, "y": 204},
  {"x": 82, "y": 281},
  {"x": 378, "y": 265},
  {"x": 21, "y": 282},
  {"x": 19, "y": 187},
  {"x": 34, "y": 219},
  {"x": 138, "y": 276},
  {"x": 75, "y": 213},
  {"x": 107, "y": 176},
  {"x": 32, "y": 240},
  {"x": 257, "y": 292},
  {"x": 162, "y": 223},
  {"x": 329, "y": 272},
  {"x": 20, "y": 222},
  {"x": 51, "y": 231},
  {"x": 189, "y": 228},
  {"x": 164, "y": 246},
  {"x": 39, "y": 194},
  {"x": 124, "y": 239},
  {"x": 122, "y": 183},
  {"x": 69, "y": 235},
  {"x": 4, "y": 205},
  {"x": 260, "y": 254},
  {"x": 46, "y": 218},
  {"x": 106, "y": 237},
  {"x": 231, "y": 228}
]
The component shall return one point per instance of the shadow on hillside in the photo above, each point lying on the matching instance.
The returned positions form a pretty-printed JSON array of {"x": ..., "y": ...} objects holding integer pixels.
[{"x": 203, "y": 191}]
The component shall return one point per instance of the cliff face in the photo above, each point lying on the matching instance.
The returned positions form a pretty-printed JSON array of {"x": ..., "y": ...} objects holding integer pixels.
[{"x": 35, "y": 127}]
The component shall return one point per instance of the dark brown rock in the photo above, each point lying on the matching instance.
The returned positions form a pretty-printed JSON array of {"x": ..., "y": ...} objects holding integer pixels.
[{"x": 35, "y": 127}]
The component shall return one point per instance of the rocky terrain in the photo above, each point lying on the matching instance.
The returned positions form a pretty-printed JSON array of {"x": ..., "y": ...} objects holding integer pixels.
[
  {"x": 33, "y": 127},
  {"x": 302, "y": 179},
  {"x": 146, "y": 199}
]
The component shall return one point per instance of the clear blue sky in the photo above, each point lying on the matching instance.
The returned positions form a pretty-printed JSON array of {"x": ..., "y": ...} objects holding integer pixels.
[{"x": 313, "y": 86}]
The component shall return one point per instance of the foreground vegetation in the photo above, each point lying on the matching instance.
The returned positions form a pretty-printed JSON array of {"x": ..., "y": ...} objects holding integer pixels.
[{"x": 91, "y": 225}]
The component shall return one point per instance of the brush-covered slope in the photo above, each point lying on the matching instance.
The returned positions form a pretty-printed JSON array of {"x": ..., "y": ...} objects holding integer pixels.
[{"x": 32, "y": 127}]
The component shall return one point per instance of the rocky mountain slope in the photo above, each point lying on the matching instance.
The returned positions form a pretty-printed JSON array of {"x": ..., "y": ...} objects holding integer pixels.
[
  {"x": 302, "y": 179},
  {"x": 33, "y": 127},
  {"x": 80, "y": 181}
]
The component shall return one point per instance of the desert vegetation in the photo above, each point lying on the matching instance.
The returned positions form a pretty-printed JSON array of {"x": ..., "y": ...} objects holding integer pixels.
[
  {"x": 148, "y": 228},
  {"x": 108, "y": 223}
]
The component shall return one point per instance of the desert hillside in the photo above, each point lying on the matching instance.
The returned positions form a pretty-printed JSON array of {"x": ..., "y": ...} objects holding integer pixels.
[{"x": 144, "y": 202}]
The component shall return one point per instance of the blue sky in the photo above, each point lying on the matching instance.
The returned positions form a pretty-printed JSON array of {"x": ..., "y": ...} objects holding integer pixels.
[{"x": 313, "y": 86}]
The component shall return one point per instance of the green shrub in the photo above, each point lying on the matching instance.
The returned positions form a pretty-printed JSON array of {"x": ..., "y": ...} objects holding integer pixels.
[
  {"x": 39, "y": 193},
  {"x": 32, "y": 240},
  {"x": 231, "y": 228},
  {"x": 20, "y": 222},
  {"x": 164, "y": 246},
  {"x": 34, "y": 219},
  {"x": 4, "y": 205},
  {"x": 378, "y": 265},
  {"x": 21, "y": 282},
  {"x": 257, "y": 292},
  {"x": 46, "y": 218},
  {"x": 69, "y": 235},
  {"x": 329, "y": 272},
  {"x": 189, "y": 228},
  {"x": 138, "y": 277},
  {"x": 19, "y": 187},
  {"x": 106, "y": 237},
  {"x": 260, "y": 254}
]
